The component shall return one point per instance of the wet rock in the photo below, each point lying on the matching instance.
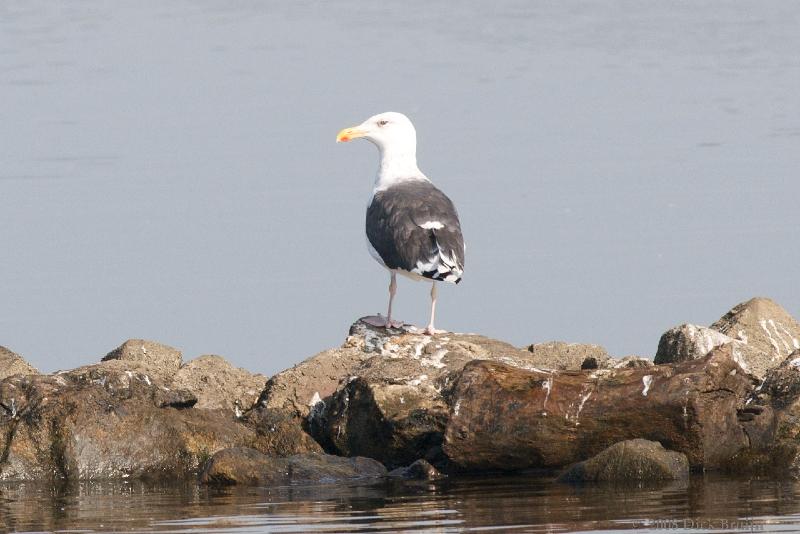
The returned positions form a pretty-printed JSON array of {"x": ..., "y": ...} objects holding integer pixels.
[
  {"x": 246, "y": 466},
  {"x": 13, "y": 364},
  {"x": 160, "y": 360},
  {"x": 771, "y": 420},
  {"x": 765, "y": 328},
  {"x": 218, "y": 384},
  {"x": 392, "y": 406},
  {"x": 419, "y": 470},
  {"x": 508, "y": 418},
  {"x": 570, "y": 356},
  {"x": 630, "y": 461}
]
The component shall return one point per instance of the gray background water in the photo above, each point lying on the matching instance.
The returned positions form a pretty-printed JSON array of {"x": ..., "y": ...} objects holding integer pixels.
[{"x": 168, "y": 170}]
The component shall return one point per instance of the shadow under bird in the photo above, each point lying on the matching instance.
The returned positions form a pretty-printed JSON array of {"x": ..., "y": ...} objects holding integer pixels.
[{"x": 412, "y": 227}]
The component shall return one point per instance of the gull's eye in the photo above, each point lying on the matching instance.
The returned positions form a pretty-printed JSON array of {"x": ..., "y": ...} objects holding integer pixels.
[{"x": 383, "y": 123}]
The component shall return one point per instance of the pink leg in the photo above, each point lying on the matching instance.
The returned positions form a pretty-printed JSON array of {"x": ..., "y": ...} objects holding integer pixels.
[
  {"x": 430, "y": 329},
  {"x": 378, "y": 320}
]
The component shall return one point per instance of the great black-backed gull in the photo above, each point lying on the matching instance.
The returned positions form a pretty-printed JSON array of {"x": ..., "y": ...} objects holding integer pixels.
[{"x": 412, "y": 227}]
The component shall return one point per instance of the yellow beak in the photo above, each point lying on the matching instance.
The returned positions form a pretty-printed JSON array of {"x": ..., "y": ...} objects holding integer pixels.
[{"x": 349, "y": 133}]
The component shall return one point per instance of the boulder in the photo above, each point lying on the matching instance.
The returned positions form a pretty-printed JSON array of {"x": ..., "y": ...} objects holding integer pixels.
[
  {"x": 280, "y": 433},
  {"x": 13, "y": 364},
  {"x": 688, "y": 342},
  {"x": 392, "y": 406},
  {"x": 159, "y": 360},
  {"x": 771, "y": 420},
  {"x": 419, "y": 470},
  {"x": 506, "y": 418},
  {"x": 120, "y": 418},
  {"x": 635, "y": 460},
  {"x": 289, "y": 404},
  {"x": 767, "y": 331},
  {"x": 218, "y": 384},
  {"x": 250, "y": 467},
  {"x": 570, "y": 356}
]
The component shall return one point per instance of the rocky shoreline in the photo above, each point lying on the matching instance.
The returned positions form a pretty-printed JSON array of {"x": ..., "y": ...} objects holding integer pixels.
[{"x": 399, "y": 404}]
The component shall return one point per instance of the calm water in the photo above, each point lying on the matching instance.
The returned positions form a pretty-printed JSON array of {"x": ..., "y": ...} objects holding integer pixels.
[
  {"x": 168, "y": 170},
  {"x": 515, "y": 504}
]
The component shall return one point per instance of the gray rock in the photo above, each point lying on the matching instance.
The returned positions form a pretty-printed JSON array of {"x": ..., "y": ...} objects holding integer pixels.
[
  {"x": 692, "y": 342},
  {"x": 635, "y": 460},
  {"x": 628, "y": 362},
  {"x": 249, "y": 467},
  {"x": 766, "y": 330},
  {"x": 688, "y": 342},
  {"x": 218, "y": 384},
  {"x": 419, "y": 470},
  {"x": 568, "y": 356},
  {"x": 13, "y": 364}
]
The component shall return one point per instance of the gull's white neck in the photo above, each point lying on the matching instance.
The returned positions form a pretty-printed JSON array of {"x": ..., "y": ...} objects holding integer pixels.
[{"x": 397, "y": 166}]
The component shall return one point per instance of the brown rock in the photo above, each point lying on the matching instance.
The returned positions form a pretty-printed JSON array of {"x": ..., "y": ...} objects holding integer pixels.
[
  {"x": 392, "y": 406},
  {"x": 419, "y": 470},
  {"x": 280, "y": 433},
  {"x": 507, "y": 418},
  {"x": 104, "y": 421},
  {"x": 13, "y": 364},
  {"x": 766, "y": 329},
  {"x": 571, "y": 356},
  {"x": 218, "y": 384},
  {"x": 159, "y": 360},
  {"x": 249, "y": 467},
  {"x": 771, "y": 420},
  {"x": 633, "y": 460}
]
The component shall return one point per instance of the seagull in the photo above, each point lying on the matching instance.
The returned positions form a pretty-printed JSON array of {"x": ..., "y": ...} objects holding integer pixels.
[{"x": 412, "y": 227}]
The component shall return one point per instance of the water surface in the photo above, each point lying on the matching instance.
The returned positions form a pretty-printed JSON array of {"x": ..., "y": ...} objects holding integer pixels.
[
  {"x": 509, "y": 504},
  {"x": 168, "y": 170}
]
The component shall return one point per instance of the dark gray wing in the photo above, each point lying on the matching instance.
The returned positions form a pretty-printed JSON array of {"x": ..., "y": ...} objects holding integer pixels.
[{"x": 414, "y": 227}]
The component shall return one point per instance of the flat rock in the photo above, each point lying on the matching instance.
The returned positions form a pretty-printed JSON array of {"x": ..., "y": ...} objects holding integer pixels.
[
  {"x": 218, "y": 384},
  {"x": 249, "y": 467},
  {"x": 568, "y": 356},
  {"x": 765, "y": 328},
  {"x": 508, "y": 418},
  {"x": 12, "y": 363},
  {"x": 635, "y": 460}
]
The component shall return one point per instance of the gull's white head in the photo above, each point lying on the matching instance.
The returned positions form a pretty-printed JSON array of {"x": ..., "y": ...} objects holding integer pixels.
[{"x": 391, "y": 132}]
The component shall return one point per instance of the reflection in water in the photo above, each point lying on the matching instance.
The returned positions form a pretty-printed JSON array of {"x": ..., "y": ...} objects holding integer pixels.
[{"x": 512, "y": 503}]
